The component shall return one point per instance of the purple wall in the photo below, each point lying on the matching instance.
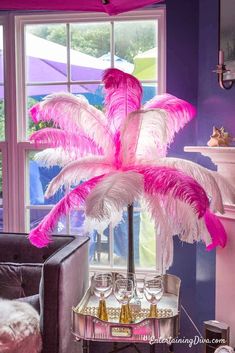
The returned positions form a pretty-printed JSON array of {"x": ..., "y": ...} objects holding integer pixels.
[
  {"x": 215, "y": 106},
  {"x": 182, "y": 62}
]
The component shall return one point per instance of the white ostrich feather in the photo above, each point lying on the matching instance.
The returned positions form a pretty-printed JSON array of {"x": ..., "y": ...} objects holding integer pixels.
[
  {"x": 144, "y": 133},
  {"x": 203, "y": 176},
  {"x": 113, "y": 193},
  {"x": 54, "y": 156},
  {"x": 227, "y": 189},
  {"x": 174, "y": 217},
  {"x": 168, "y": 252},
  {"x": 76, "y": 171},
  {"x": 74, "y": 114}
]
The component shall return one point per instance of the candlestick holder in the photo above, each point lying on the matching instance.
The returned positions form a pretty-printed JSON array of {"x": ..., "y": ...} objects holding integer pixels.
[{"x": 221, "y": 70}]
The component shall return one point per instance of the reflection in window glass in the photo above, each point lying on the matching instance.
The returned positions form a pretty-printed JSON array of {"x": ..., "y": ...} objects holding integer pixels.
[{"x": 2, "y": 119}]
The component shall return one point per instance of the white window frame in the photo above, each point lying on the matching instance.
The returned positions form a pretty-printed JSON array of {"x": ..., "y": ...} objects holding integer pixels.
[{"x": 16, "y": 147}]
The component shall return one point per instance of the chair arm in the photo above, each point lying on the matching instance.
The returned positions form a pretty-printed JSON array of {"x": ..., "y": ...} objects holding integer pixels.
[{"x": 64, "y": 281}]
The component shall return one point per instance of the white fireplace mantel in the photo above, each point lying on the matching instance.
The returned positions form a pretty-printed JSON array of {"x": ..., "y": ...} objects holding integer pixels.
[{"x": 224, "y": 159}]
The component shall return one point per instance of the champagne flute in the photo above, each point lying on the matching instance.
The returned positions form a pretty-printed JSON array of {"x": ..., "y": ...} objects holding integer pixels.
[
  {"x": 124, "y": 291},
  {"x": 153, "y": 290},
  {"x": 102, "y": 289}
]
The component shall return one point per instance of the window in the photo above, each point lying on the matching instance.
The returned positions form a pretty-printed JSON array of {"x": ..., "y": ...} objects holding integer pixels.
[{"x": 69, "y": 52}]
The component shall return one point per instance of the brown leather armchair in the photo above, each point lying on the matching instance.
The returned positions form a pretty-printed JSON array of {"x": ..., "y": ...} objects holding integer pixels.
[{"x": 53, "y": 279}]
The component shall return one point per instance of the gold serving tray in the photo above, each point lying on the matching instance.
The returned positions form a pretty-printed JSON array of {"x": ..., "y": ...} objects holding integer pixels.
[{"x": 86, "y": 325}]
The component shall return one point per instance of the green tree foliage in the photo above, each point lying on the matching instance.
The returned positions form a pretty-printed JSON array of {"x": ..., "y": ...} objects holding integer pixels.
[{"x": 131, "y": 38}]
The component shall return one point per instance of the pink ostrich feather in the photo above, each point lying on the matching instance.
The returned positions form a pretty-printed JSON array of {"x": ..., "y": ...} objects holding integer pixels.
[
  {"x": 123, "y": 96},
  {"x": 41, "y": 235},
  {"x": 124, "y": 145},
  {"x": 67, "y": 140},
  {"x": 216, "y": 230},
  {"x": 173, "y": 183},
  {"x": 74, "y": 114},
  {"x": 179, "y": 112},
  {"x": 144, "y": 135}
]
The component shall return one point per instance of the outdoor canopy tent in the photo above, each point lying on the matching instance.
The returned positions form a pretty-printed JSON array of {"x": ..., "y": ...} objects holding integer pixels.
[
  {"x": 146, "y": 65},
  {"x": 112, "y": 7},
  {"x": 47, "y": 62}
]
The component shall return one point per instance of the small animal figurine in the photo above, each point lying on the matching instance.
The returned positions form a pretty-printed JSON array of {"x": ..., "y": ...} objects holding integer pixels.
[{"x": 219, "y": 138}]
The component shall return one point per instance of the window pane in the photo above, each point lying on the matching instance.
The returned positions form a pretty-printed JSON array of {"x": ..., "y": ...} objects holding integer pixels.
[
  {"x": 99, "y": 253},
  {"x": 120, "y": 241},
  {"x": 98, "y": 245},
  {"x": 93, "y": 93},
  {"x": 46, "y": 53},
  {"x": 89, "y": 42},
  {"x": 147, "y": 241},
  {"x": 39, "y": 178},
  {"x": 36, "y": 216},
  {"x": 136, "y": 48},
  {"x": 34, "y": 95},
  {"x": 149, "y": 91},
  {"x": 2, "y": 118}
]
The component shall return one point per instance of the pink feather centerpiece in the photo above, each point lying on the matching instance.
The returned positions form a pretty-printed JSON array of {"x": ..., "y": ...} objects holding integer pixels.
[{"x": 119, "y": 157}]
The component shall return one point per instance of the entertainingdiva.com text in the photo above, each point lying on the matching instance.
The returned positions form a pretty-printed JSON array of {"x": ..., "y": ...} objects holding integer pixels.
[{"x": 183, "y": 340}]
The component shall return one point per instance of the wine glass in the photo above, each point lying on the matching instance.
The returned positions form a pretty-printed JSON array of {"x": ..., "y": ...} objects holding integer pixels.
[
  {"x": 124, "y": 291},
  {"x": 153, "y": 290},
  {"x": 102, "y": 288}
]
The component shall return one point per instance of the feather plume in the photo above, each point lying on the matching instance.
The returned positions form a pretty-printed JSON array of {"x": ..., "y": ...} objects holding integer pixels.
[
  {"x": 67, "y": 140},
  {"x": 202, "y": 175},
  {"x": 123, "y": 96},
  {"x": 113, "y": 193},
  {"x": 174, "y": 217},
  {"x": 168, "y": 253},
  {"x": 174, "y": 184},
  {"x": 41, "y": 235},
  {"x": 55, "y": 156},
  {"x": 216, "y": 230},
  {"x": 143, "y": 134},
  {"x": 77, "y": 171},
  {"x": 74, "y": 114},
  {"x": 227, "y": 190},
  {"x": 179, "y": 112}
]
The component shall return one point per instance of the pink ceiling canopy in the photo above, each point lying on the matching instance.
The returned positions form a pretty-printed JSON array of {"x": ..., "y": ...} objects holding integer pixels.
[{"x": 112, "y": 7}]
